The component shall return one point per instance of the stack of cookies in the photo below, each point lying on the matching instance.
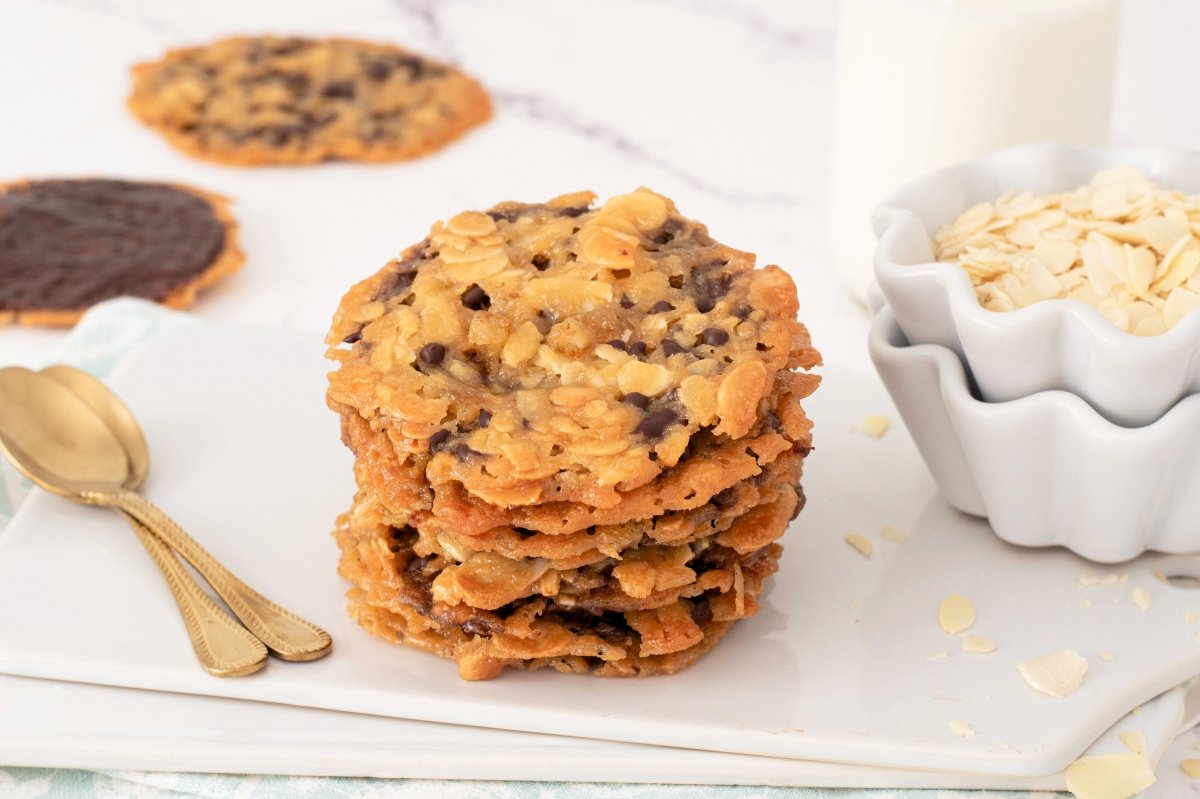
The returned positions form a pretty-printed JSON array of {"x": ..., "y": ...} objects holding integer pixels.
[{"x": 577, "y": 435}]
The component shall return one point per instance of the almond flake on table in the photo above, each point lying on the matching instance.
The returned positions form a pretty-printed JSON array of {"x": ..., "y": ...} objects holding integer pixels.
[
  {"x": 1056, "y": 674},
  {"x": 1190, "y": 767},
  {"x": 1141, "y": 597},
  {"x": 875, "y": 426},
  {"x": 1116, "y": 776},
  {"x": 961, "y": 729},
  {"x": 892, "y": 534},
  {"x": 956, "y": 614},
  {"x": 858, "y": 542},
  {"x": 1134, "y": 741},
  {"x": 976, "y": 645},
  {"x": 1120, "y": 244}
]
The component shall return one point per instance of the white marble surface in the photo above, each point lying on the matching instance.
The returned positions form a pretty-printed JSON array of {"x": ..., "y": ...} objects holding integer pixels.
[{"x": 724, "y": 105}]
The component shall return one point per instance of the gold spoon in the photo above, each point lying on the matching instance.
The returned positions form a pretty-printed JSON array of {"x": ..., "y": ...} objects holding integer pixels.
[
  {"x": 70, "y": 449},
  {"x": 223, "y": 647}
]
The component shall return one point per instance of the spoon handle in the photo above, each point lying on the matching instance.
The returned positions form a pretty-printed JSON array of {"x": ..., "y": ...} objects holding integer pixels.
[
  {"x": 222, "y": 646},
  {"x": 285, "y": 634}
]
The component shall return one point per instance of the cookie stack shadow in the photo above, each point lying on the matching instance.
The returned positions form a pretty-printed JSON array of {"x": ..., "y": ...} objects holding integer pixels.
[{"x": 577, "y": 435}]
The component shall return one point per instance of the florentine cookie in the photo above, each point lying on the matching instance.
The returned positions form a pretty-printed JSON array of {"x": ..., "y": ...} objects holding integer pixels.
[
  {"x": 272, "y": 100},
  {"x": 711, "y": 465},
  {"x": 557, "y": 352},
  {"x": 66, "y": 245},
  {"x": 395, "y": 597}
]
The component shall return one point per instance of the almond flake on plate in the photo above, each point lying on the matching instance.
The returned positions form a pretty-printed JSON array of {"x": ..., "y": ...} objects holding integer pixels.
[
  {"x": 1056, "y": 674},
  {"x": 1141, "y": 598},
  {"x": 977, "y": 645},
  {"x": 892, "y": 534},
  {"x": 1115, "y": 776},
  {"x": 1134, "y": 741},
  {"x": 858, "y": 542},
  {"x": 956, "y": 614},
  {"x": 961, "y": 729},
  {"x": 875, "y": 426}
]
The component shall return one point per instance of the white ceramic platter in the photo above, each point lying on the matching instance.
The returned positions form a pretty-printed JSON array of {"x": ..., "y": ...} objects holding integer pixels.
[
  {"x": 835, "y": 667},
  {"x": 72, "y": 725}
]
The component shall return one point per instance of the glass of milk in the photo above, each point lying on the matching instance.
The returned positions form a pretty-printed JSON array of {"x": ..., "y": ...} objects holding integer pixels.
[{"x": 926, "y": 83}]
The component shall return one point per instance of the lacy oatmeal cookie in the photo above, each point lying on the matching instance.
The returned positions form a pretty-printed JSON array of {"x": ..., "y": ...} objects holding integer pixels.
[
  {"x": 710, "y": 465},
  {"x": 271, "y": 100},
  {"x": 560, "y": 352},
  {"x": 394, "y": 598},
  {"x": 66, "y": 245}
]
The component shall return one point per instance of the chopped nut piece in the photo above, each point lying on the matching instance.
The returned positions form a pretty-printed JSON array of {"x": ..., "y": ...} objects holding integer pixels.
[
  {"x": 956, "y": 614},
  {"x": 892, "y": 534},
  {"x": 875, "y": 426},
  {"x": 858, "y": 542},
  {"x": 961, "y": 729},
  {"x": 1112, "y": 578},
  {"x": 1115, "y": 776},
  {"x": 1190, "y": 767},
  {"x": 1141, "y": 598},
  {"x": 978, "y": 646},
  {"x": 1056, "y": 674},
  {"x": 1134, "y": 741}
]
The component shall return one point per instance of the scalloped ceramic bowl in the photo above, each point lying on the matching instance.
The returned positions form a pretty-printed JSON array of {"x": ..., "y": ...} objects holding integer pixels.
[
  {"x": 1046, "y": 469},
  {"x": 1055, "y": 344}
]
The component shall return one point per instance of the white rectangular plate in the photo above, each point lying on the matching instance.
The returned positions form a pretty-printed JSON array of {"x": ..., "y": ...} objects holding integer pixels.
[
  {"x": 73, "y": 725},
  {"x": 835, "y": 668}
]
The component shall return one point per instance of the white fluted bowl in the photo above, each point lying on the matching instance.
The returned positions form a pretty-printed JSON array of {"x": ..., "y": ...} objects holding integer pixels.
[
  {"x": 1046, "y": 469},
  {"x": 1055, "y": 344}
]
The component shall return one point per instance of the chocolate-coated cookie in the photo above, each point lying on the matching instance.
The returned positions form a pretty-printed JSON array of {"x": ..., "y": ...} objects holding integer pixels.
[{"x": 66, "y": 245}]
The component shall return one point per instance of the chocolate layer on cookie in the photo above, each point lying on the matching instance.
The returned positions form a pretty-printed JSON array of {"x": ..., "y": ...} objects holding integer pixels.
[
  {"x": 276, "y": 100},
  {"x": 66, "y": 245}
]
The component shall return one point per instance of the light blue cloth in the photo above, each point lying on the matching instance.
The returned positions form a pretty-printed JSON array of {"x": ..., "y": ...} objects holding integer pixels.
[{"x": 96, "y": 344}]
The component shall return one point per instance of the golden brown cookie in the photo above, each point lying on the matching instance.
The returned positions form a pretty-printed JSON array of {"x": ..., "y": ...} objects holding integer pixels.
[
  {"x": 397, "y": 597},
  {"x": 711, "y": 465},
  {"x": 66, "y": 245},
  {"x": 559, "y": 352},
  {"x": 253, "y": 100}
]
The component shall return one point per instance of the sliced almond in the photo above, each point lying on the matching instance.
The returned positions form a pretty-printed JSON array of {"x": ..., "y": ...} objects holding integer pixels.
[
  {"x": 938, "y": 657},
  {"x": 1190, "y": 767},
  {"x": 977, "y": 645},
  {"x": 956, "y": 614},
  {"x": 1141, "y": 597},
  {"x": 855, "y": 540},
  {"x": 1134, "y": 741},
  {"x": 1115, "y": 776},
  {"x": 875, "y": 426},
  {"x": 892, "y": 534},
  {"x": 1109, "y": 656},
  {"x": 1056, "y": 674},
  {"x": 961, "y": 729}
]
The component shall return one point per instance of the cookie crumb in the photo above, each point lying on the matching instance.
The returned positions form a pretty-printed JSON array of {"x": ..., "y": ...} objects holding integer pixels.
[
  {"x": 855, "y": 540},
  {"x": 875, "y": 426},
  {"x": 1056, "y": 674},
  {"x": 956, "y": 614},
  {"x": 1141, "y": 598}
]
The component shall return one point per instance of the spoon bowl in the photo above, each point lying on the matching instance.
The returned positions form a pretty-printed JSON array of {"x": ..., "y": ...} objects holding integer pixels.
[
  {"x": 113, "y": 412},
  {"x": 54, "y": 438}
]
